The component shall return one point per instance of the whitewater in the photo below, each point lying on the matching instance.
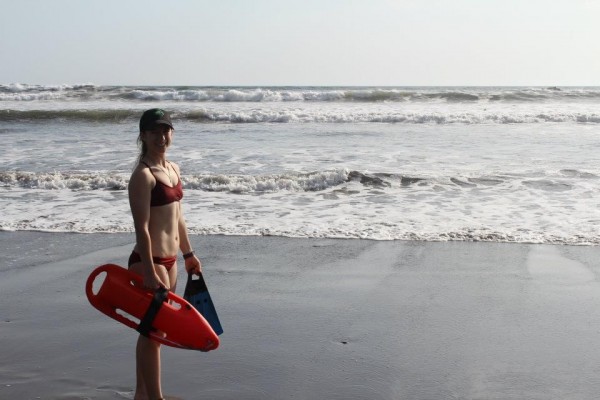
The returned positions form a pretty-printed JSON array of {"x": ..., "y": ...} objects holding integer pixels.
[{"x": 461, "y": 163}]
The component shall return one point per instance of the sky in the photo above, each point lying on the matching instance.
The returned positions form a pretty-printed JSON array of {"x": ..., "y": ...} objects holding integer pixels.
[{"x": 301, "y": 42}]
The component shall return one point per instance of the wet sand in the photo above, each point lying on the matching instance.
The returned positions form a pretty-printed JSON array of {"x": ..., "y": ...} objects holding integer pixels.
[{"x": 316, "y": 319}]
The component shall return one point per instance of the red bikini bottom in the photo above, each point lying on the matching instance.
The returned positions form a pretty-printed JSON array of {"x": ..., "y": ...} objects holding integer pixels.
[{"x": 168, "y": 262}]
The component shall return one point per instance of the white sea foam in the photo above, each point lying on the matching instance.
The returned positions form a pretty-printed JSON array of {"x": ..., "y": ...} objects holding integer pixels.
[
  {"x": 503, "y": 164},
  {"x": 487, "y": 95},
  {"x": 91, "y": 181},
  {"x": 342, "y": 204},
  {"x": 44, "y": 106}
]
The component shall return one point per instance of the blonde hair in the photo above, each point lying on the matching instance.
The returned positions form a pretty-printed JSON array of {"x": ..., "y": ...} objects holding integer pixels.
[{"x": 143, "y": 148}]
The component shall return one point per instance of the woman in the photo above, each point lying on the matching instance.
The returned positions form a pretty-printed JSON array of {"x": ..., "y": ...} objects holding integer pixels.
[{"x": 155, "y": 192}]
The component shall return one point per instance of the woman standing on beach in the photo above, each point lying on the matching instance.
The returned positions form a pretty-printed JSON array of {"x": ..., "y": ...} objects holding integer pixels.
[{"x": 155, "y": 192}]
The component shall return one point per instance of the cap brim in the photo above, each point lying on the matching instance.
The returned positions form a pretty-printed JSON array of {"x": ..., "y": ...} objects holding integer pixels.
[{"x": 162, "y": 122}]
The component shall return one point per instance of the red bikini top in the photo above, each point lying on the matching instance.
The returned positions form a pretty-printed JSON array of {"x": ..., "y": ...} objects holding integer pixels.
[{"x": 163, "y": 194}]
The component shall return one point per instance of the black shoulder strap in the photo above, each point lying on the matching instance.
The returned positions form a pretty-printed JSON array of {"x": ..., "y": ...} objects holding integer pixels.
[
  {"x": 145, "y": 326},
  {"x": 150, "y": 169}
]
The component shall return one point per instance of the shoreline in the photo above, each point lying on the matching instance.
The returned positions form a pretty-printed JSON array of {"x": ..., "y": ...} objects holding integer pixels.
[{"x": 316, "y": 318}]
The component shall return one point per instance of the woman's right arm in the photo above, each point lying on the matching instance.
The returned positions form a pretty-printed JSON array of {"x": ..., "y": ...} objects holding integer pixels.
[{"x": 140, "y": 186}]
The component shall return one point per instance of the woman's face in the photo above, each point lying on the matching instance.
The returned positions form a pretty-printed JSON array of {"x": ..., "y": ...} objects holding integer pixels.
[{"x": 158, "y": 138}]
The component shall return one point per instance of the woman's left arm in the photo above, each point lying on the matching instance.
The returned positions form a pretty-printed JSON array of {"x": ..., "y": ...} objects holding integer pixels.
[{"x": 192, "y": 262}]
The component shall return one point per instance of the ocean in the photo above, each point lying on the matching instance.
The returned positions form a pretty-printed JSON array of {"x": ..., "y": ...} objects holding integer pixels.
[{"x": 502, "y": 164}]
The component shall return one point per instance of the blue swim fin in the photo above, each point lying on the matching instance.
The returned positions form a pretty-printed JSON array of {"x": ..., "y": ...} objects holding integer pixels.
[{"x": 196, "y": 293}]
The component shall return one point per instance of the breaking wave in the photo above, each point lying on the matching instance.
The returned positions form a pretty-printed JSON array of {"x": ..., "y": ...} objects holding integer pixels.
[
  {"x": 306, "y": 116},
  {"x": 285, "y": 182},
  {"x": 24, "y": 92},
  {"x": 236, "y": 184}
]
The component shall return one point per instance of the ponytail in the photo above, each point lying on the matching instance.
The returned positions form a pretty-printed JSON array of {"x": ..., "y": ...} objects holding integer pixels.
[{"x": 143, "y": 147}]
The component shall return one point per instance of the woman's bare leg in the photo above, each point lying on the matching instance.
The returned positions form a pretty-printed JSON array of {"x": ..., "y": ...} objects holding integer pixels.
[
  {"x": 147, "y": 369},
  {"x": 147, "y": 351}
]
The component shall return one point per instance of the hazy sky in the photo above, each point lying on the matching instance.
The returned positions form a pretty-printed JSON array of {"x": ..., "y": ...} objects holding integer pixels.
[{"x": 301, "y": 42}]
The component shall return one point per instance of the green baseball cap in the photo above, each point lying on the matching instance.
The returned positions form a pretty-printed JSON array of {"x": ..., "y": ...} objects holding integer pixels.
[{"x": 154, "y": 117}]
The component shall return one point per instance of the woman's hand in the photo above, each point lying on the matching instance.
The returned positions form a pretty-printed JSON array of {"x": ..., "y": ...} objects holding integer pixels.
[
  {"x": 193, "y": 265},
  {"x": 152, "y": 281}
]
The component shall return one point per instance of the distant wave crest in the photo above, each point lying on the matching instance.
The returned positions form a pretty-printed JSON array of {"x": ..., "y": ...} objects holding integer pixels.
[{"x": 24, "y": 92}]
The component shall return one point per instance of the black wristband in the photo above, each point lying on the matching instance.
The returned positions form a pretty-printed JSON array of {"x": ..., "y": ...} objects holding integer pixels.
[{"x": 188, "y": 255}]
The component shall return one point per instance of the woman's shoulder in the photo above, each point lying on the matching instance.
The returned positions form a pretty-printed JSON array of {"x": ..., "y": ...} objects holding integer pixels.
[{"x": 142, "y": 173}]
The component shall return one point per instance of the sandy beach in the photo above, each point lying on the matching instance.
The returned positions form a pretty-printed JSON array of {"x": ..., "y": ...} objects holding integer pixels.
[{"x": 316, "y": 319}]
